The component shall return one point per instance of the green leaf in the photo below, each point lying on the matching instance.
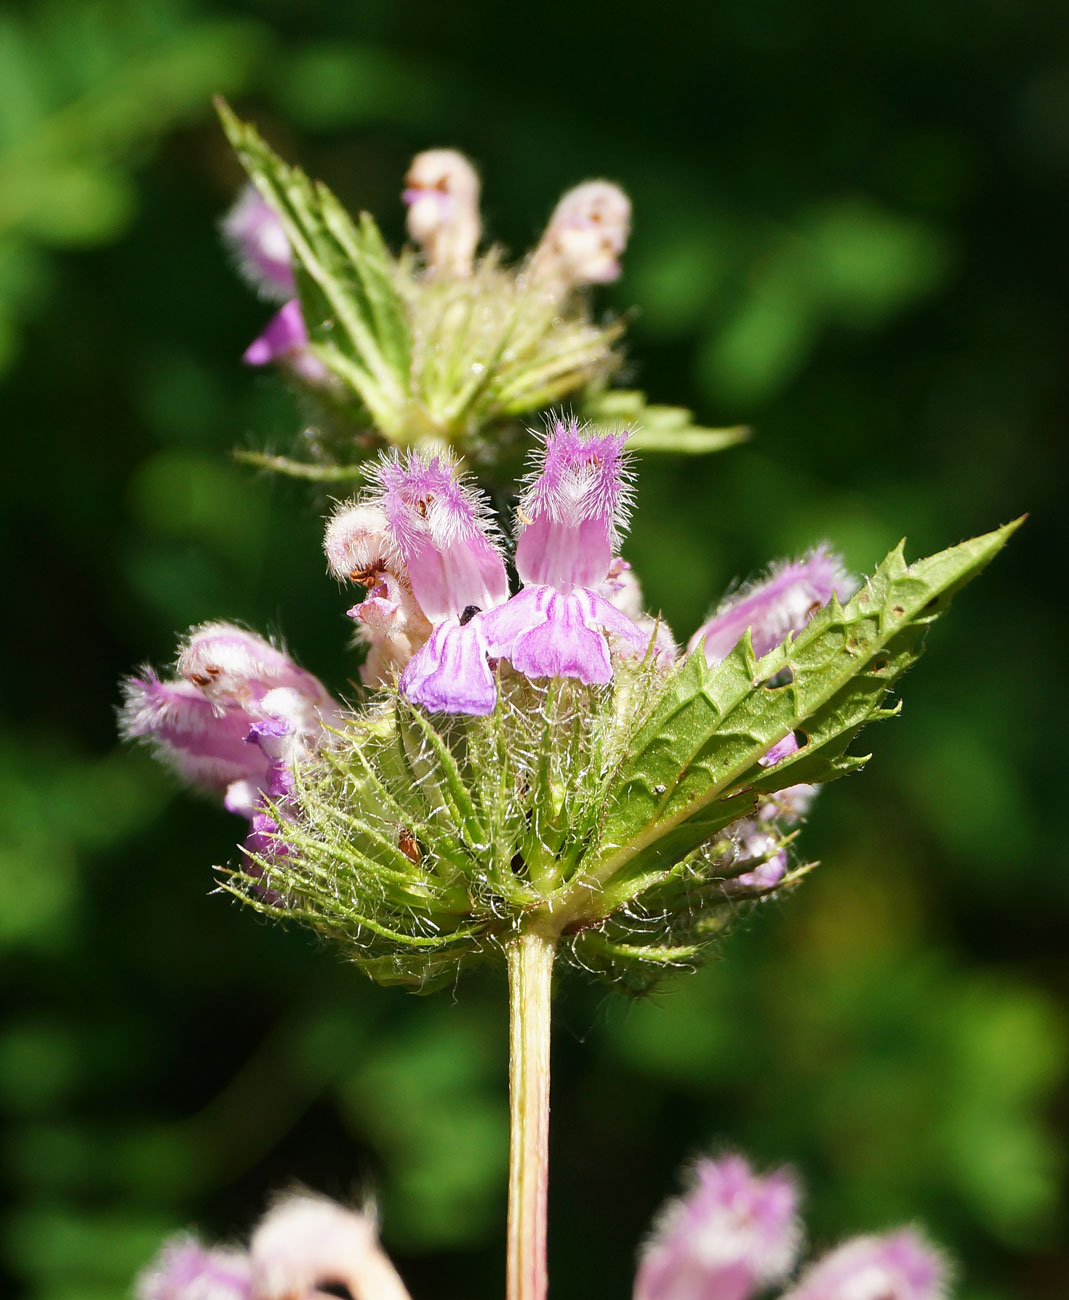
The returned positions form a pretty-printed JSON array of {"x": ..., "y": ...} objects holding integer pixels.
[
  {"x": 346, "y": 278},
  {"x": 659, "y": 428},
  {"x": 695, "y": 764}
]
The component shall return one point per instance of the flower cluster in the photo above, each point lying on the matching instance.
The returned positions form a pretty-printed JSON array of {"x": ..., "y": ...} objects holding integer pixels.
[
  {"x": 347, "y": 824},
  {"x": 737, "y": 1233},
  {"x": 425, "y": 546},
  {"x": 454, "y": 343},
  {"x": 529, "y": 753}
]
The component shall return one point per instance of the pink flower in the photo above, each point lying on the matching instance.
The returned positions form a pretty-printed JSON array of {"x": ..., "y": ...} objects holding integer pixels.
[
  {"x": 255, "y": 235},
  {"x": 305, "y": 1248},
  {"x": 186, "y": 1270},
  {"x": 204, "y": 745},
  {"x": 239, "y": 718},
  {"x": 285, "y": 340},
  {"x": 441, "y": 530},
  {"x": 783, "y": 603},
  {"x": 731, "y": 1235},
  {"x": 898, "y": 1266},
  {"x": 571, "y": 513}
]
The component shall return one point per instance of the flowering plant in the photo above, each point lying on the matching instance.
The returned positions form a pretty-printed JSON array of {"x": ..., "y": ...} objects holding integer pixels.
[{"x": 533, "y": 768}]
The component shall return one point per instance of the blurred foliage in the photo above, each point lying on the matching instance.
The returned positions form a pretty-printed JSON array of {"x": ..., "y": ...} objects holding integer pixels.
[{"x": 847, "y": 233}]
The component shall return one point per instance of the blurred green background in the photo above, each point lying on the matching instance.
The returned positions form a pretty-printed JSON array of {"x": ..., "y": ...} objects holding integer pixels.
[{"x": 849, "y": 231}]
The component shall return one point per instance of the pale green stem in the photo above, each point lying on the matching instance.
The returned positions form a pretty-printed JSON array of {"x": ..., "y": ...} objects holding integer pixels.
[{"x": 530, "y": 967}]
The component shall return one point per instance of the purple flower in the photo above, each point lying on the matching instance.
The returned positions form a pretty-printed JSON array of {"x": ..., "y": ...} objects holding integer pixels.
[
  {"x": 898, "y": 1266},
  {"x": 731, "y": 1235},
  {"x": 204, "y": 745},
  {"x": 450, "y": 674},
  {"x": 285, "y": 339},
  {"x": 571, "y": 513},
  {"x": 574, "y": 507},
  {"x": 783, "y": 603},
  {"x": 186, "y": 1270},
  {"x": 442, "y": 196},
  {"x": 241, "y": 715},
  {"x": 548, "y": 634},
  {"x": 255, "y": 235},
  {"x": 441, "y": 531}
]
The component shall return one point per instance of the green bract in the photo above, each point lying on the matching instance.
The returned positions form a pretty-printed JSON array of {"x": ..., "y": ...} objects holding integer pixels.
[{"x": 601, "y": 815}]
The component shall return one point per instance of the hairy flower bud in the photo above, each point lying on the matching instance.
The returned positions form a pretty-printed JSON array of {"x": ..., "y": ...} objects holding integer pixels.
[
  {"x": 442, "y": 195},
  {"x": 357, "y": 543},
  {"x": 732, "y": 1234},
  {"x": 584, "y": 239},
  {"x": 783, "y": 603},
  {"x": 255, "y": 236},
  {"x": 897, "y": 1266},
  {"x": 186, "y": 1270}
]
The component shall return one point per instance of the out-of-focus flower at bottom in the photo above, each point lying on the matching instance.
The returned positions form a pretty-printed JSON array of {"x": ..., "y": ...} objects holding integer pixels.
[
  {"x": 736, "y": 1233},
  {"x": 302, "y": 1246}
]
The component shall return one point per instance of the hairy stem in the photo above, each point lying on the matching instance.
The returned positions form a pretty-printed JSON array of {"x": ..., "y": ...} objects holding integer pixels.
[{"x": 530, "y": 967}]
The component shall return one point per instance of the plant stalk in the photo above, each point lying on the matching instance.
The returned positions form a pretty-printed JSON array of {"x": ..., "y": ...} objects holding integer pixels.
[{"x": 530, "y": 968}]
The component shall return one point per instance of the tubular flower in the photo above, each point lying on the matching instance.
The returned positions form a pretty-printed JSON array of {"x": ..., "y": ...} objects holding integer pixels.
[
  {"x": 897, "y": 1266},
  {"x": 585, "y": 237},
  {"x": 731, "y": 1235},
  {"x": 442, "y": 196},
  {"x": 254, "y": 234},
  {"x": 571, "y": 514},
  {"x": 235, "y": 723},
  {"x": 783, "y": 603},
  {"x": 442, "y": 532}
]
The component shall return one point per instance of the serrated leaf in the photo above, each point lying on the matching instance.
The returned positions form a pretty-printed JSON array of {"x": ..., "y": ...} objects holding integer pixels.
[
  {"x": 346, "y": 278},
  {"x": 695, "y": 763},
  {"x": 659, "y": 428}
]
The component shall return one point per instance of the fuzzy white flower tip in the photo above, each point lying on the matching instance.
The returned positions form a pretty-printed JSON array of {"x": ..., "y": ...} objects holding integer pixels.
[
  {"x": 586, "y": 235},
  {"x": 357, "y": 543},
  {"x": 442, "y": 194},
  {"x": 233, "y": 666},
  {"x": 307, "y": 1241}
]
